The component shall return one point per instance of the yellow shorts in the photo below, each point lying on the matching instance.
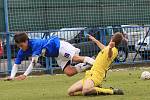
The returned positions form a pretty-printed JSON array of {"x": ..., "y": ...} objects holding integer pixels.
[{"x": 95, "y": 76}]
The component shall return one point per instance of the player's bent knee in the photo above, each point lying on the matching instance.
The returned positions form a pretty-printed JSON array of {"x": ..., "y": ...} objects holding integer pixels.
[
  {"x": 69, "y": 71},
  {"x": 69, "y": 74}
]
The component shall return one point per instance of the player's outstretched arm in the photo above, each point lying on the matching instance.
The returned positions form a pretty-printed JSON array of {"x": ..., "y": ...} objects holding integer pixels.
[
  {"x": 29, "y": 69},
  {"x": 98, "y": 43}
]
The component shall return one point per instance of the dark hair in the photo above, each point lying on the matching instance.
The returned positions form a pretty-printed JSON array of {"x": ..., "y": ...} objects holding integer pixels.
[
  {"x": 21, "y": 37},
  {"x": 117, "y": 38}
]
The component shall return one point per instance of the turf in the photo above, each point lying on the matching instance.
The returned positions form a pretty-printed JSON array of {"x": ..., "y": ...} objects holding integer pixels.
[{"x": 54, "y": 87}]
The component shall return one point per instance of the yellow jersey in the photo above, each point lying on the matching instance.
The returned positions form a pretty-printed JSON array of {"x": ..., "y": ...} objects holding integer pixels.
[
  {"x": 102, "y": 61},
  {"x": 101, "y": 65}
]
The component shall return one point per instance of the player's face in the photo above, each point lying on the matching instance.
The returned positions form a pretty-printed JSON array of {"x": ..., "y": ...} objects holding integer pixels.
[{"x": 23, "y": 45}]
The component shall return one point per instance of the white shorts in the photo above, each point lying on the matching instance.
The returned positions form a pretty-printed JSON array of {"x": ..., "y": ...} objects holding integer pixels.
[{"x": 66, "y": 53}]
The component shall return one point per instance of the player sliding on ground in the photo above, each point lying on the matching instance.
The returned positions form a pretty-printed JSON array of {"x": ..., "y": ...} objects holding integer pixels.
[
  {"x": 63, "y": 52},
  {"x": 92, "y": 81}
]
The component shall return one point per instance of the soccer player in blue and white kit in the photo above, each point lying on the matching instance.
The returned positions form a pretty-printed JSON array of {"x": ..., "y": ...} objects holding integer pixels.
[{"x": 63, "y": 52}]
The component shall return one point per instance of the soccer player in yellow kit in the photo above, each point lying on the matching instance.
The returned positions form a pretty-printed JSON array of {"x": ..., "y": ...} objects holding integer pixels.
[{"x": 93, "y": 78}]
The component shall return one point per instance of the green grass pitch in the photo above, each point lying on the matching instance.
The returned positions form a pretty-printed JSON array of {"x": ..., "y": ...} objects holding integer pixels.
[{"x": 54, "y": 87}]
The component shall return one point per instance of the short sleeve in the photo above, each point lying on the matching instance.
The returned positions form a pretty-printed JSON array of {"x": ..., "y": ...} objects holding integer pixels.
[
  {"x": 36, "y": 49},
  {"x": 19, "y": 57},
  {"x": 36, "y": 53}
]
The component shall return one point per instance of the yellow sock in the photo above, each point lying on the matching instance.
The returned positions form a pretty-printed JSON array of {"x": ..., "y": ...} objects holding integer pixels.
[
  {"x": 79, "y": 93},
  {"x": 102, "y": 90}
]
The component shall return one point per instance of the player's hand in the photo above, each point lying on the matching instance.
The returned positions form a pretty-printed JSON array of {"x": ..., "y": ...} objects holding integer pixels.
[
  {"x": 21, "y": 77},
  {"x": 8, "y": 79},
  {"x": 112, "y": 44},
  {"x": 91, "y": 37}
]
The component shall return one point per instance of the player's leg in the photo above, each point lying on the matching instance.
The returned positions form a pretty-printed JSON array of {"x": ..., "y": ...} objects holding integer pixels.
[
  {"x": 99, "y": 90},
  {"x": 90, "y": 89},
  {"x": 109, "y": 91},
  {"x": 66, "y": 56},
  {"x": 104, "y": 91},
  {"x": 88, "y": 85},
  {"x": 83, "y": 59},
  {"x": 70, "y": 70},
  {"x": 68, "y": 50},
  {"x": 94, "y": 79},
  {"x": 85, "y": 62},
  {"x": 75, "y": 89}
]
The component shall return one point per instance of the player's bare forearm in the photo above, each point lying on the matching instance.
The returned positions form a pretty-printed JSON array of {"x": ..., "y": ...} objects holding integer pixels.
[
  {"x": 98, "y": 43},
  {"x": 110, "y": 52}
]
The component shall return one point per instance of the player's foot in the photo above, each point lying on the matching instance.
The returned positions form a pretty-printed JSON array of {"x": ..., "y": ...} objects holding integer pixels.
[{"x": 117, "y": 92}]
